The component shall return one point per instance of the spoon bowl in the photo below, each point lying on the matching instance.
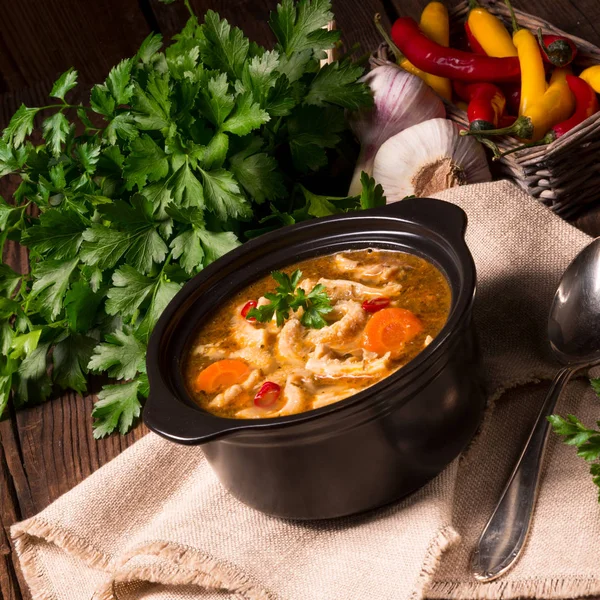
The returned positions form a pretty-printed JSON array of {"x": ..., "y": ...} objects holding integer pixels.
[{"x": 574, "y": 322}]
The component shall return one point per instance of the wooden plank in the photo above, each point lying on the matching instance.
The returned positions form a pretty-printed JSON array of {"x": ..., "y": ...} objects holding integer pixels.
[
  {"x": 9, "y": 514},
  {"x": 43, "y": 39}
]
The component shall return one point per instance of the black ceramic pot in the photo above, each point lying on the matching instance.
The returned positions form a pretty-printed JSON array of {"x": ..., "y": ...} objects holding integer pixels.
[{"x": 353, "y": 455}]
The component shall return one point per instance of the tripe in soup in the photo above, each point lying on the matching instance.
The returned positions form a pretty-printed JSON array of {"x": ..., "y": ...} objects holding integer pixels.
[{"x": 372, "y": 312}]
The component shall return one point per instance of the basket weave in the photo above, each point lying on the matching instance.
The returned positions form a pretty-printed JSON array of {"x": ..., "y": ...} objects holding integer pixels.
[{"x": 564, "y": 175}]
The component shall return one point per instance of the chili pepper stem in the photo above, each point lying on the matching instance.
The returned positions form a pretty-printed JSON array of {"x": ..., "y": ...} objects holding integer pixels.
[
  {"x": 473, "y": 4},
  {"x": 522, "y": 127},
  {"x": 513, "y": 17},
  {"x": 547, "y": 139},
  {"x": 561, "y": 55},
  {"x": 491, "y": 145},
  {"x": 387, "y": 39}
]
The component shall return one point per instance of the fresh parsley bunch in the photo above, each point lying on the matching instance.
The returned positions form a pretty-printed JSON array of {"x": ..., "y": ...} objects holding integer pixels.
[
  {"x": 178, "y": 156},
  {"x": 586, "y": 440}
]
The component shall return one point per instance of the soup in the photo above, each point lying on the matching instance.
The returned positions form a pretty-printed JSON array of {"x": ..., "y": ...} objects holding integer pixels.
[{"x": 353, "y": 319}]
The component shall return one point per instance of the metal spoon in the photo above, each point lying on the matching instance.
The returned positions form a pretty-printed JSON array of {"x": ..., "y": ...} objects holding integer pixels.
[{"x": 574, "y": 334}]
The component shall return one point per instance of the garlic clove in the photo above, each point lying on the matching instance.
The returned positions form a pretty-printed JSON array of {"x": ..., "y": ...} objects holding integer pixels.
[
  {"x": 401, "y": 100},
  {"x": 427, "y": 158}
]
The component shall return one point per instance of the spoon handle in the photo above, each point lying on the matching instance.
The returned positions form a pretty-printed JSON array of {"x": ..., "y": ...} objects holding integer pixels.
[{"x": 504, "y": 536}]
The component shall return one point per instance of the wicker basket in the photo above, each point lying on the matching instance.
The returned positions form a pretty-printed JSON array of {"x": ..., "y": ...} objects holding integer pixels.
[{"x": 564, "y": 175}]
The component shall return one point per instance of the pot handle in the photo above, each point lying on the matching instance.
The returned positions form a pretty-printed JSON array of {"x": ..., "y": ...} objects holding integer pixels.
[
  {"x": 184, "y": 424},
  {"x": 445, "y": 218}
]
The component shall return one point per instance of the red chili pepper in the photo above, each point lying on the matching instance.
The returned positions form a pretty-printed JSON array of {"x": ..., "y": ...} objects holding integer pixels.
[
  {"x": 267, "y": 395},
  {"x": 512, "y": 93},
  {"x": 586, "y": 104},
  {"x": 247, "y": 308},
  {"x": 486, "y": 104},
  {"x": 473, "y": 43},
  {"x": 448, "y": 62},
  {"x": 557, "y": 50},
  {"x": 372, "y": 306}
]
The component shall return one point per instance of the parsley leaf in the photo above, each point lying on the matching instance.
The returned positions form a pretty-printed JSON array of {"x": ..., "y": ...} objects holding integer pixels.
[
  {"x": 20, "y": 126},
  {"x": 146, "y": 161},
  {"x": 288, "y": 296},
  {"x": 118, "y": 84},
  {"x": 55, "y": 130},
  {"x": 222, "y": 47},
  {"x": 58, "y": 235},
  {"x": 66, "y": 82},
  {"x": 586, "y": 440},
  {"x": 300, "y": 26},
  {"x": 223, "y": 196},
  {"x": 117, "y": 406},
  {"x": 121, "y": 355},
  {"x": 70, "y": 358},
  {"x": 50, "y": 282}
]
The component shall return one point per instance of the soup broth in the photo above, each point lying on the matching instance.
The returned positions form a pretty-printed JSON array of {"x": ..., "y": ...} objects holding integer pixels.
[{"x": 387, "y": 307}]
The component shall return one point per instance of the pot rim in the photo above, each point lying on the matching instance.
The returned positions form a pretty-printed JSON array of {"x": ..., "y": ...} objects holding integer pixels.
[{"x": 182, "y": 421}]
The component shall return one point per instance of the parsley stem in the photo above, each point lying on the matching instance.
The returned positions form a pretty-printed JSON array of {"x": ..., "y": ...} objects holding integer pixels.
[{"x": 189, "y": 7}]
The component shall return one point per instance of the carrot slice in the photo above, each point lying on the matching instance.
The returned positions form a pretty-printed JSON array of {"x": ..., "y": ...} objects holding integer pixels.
[
  {"x": 221, "y": 374},
  {"x": 390, "y": 329}
]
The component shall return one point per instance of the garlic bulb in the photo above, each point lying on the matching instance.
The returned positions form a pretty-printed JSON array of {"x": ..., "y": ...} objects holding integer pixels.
[
  {"x": 428, "y": 158},
  {"x": 400, "y": 101}
]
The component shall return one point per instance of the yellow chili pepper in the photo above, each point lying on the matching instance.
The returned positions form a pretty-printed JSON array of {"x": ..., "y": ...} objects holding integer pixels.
[
  {"x": 490, "y": 32},
  {"x": 435, "y": 23},
  {"x": 440, "y": 85},
  {"x": 555, "y": 106},
  {"x": 533, "y": 75},
  {"x": 592, "y": 76}
]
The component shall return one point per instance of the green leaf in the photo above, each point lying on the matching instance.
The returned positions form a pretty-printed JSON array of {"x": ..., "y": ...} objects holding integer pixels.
[
  {"x": 146, "y": 161},
  {"x": 311, "y": 130},
  {"x": 55, "y": 130},
  {"x": 186, "y": 246},
  {"x": 595, "y": 383},
  {"x": 216, "y": 244},
  {"x": 102, "y": 101},
  {"x": 8, "y": 162},
  {"x": 103, "y": 247},
  {"x": 299, "y": 26},
  {"x": 130, "y": 289},
  {"x": 122, "y": 126},
  {"x": 372, "y": 195},
  {"x": 222, "y": 47},
  {"x": 163, "y": 294},
  {"x": 88, "y": 154},
  {"x": 121, "y": 356},
  {"x": 150, "y": 46},
  {"x": 149, "y": 112},
  {"x": 222, "y": 195},
  {"x": 66, "y": 82},
  {"x": 259, "y": 175},
  {"x": 70, "y": 358},
  {"x": 186, "y": 189},
  {"x": 23, "y": 345},
  {"x": 20, "y": 126},
  {"x": 81, "y": 306},
  {"x": 336, "y": 83},
  {"x": 9, "y": 280},
  {"x": 216, "y": 151},
  {"x": 118, "y": 82},
  {"x": 50, "y": 283},
  {"x": 58, "y": 235},
  {"x": 215, "y": 101},
  {"x": 248, "y": 115},
  {"x": 117, "y": 406},
  {"x": 260, "y": 75},
  {"x": 33, "y": 381}
]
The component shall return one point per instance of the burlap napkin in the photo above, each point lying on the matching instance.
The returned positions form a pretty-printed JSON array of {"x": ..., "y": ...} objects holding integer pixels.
[{"x": 155, "y": 523}]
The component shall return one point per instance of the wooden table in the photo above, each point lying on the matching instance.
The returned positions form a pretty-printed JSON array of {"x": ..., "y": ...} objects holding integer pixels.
[{"x": 48, "y": 449}]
